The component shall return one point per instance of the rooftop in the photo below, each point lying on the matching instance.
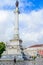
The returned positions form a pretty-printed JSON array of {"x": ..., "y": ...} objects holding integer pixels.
[{"x": 37, "y": 45}]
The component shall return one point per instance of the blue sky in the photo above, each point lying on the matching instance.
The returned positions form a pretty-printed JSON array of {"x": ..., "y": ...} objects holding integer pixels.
[
  {"x": 30, "y": 21},
  {"x": 27, "y": 5}
]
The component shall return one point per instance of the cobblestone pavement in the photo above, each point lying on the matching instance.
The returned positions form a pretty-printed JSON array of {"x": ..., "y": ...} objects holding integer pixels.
[
  {"x": 29, "y": 63},
  {"x": 38, "y": 61}
]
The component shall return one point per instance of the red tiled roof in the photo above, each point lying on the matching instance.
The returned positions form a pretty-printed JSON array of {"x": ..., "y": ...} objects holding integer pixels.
[{"x": 38, "y": 45}]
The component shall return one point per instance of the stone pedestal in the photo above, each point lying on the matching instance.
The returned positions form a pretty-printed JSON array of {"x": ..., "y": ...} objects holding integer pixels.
[{"x": 13, "y": 47}]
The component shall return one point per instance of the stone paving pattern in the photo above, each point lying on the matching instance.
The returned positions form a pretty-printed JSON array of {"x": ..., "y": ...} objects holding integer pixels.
[{"x": 37, "y": 61}]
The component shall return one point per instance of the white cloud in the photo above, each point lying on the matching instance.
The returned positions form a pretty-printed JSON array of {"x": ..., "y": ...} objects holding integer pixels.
[
  {"x": 31, "y": 25},
  {"x": 6, "y": 22},
  {"x": 3, "y": 16},
  {"x": 7, "y": 2},
  {"x": 32, "y": 19}
]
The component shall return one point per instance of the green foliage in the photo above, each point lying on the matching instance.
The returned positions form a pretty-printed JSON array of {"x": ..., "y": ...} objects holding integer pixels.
[
  {"x": 34, "y": 57},
  {"x": 2, "y": 47}
]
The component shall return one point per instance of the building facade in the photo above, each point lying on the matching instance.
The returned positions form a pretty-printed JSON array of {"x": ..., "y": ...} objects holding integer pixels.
[{"x": 34, "y": 50}]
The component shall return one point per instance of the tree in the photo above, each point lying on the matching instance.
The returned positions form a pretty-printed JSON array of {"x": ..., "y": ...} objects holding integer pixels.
[
  {"x": 34, "y": 57},
  {"x": 2, "y": 48}
]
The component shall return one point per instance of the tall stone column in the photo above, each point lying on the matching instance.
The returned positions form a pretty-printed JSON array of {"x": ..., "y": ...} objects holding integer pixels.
[
  {"x": 13, "y": 47},
  {"x": 16, "y": 29}
]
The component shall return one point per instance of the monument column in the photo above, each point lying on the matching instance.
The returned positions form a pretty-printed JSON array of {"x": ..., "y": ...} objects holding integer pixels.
[
  {"x": 13, "y": 47},
  {"x": 16, "y": 29}
]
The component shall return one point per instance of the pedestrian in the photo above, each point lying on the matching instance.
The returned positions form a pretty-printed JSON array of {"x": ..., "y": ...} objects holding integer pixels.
[{"x": 15, "y": 61}]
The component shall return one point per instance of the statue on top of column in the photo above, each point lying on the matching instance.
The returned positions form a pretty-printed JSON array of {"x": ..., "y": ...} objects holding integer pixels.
[{"x": 17, "y": 3}]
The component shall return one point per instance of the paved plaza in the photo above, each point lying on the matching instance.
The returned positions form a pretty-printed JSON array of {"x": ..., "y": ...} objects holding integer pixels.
[{"x": 38, "y": 61}]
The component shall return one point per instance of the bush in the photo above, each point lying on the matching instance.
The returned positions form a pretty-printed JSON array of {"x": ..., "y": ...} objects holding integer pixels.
[
  {"x": 2, "y": 48},
  {"x": 34, "y": 57}
]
